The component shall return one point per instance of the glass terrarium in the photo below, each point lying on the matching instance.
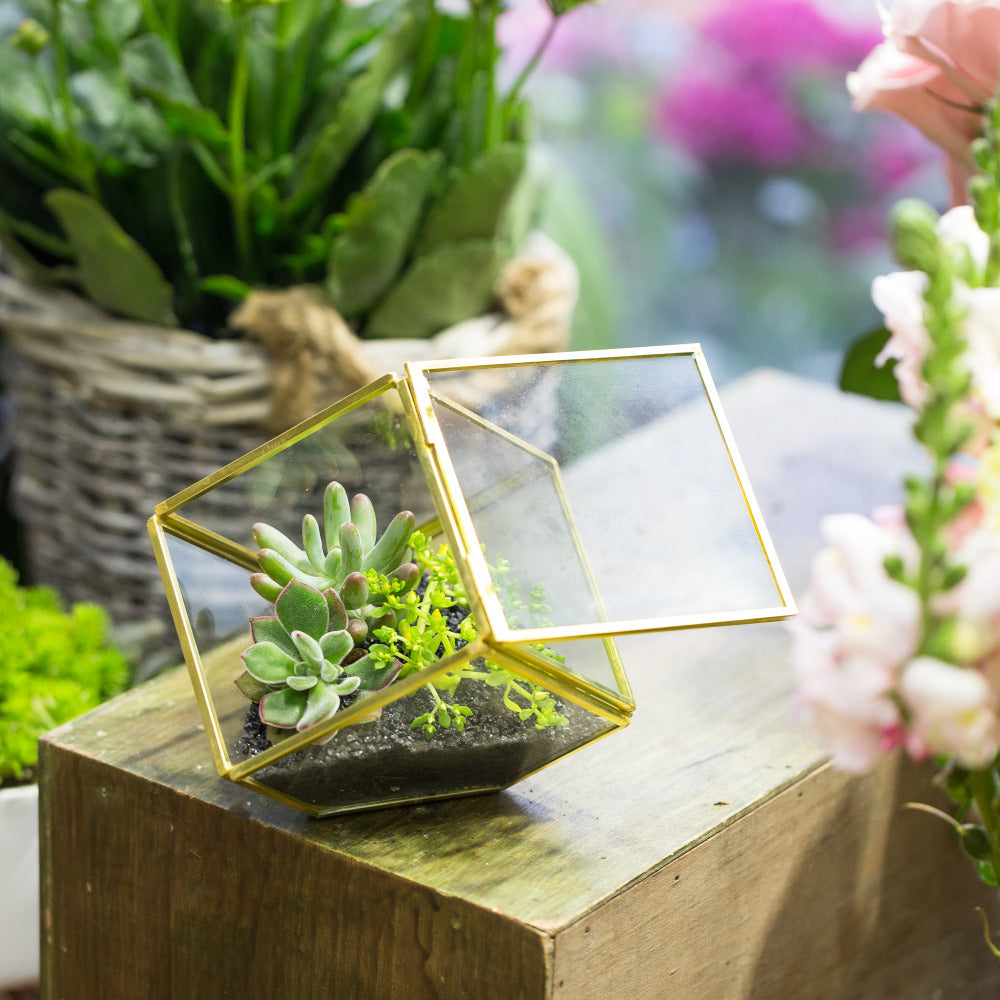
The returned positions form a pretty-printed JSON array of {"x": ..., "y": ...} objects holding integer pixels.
[{"x": 415, "y": 593}]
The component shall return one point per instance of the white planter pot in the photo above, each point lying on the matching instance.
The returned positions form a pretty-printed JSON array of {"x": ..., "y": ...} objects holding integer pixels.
[{"x": 19, "y": 919}]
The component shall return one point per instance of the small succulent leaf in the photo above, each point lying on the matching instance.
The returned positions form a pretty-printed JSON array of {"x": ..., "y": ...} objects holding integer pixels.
[
  {"x": 358, "y": 630},
  {"x": 284, "y": 708},
  {"x": 268, "y": 537},
  {"x": 309, "y": 649},
  {"x": 322, "y": 702},
  {"x": 312, "y": 542},
  {"x": 350, "y": 546},
  {"x": 388, "y": 552},
  {"x": 473, "y": 205},
  {"x": 265, "y": 586},
  {"x": 332, "y": 564},
  {"x": 250, "y": 687},
  {"x": 303, "y": 683},
  {"x": 354, "y": 591},
  {"x": 337, "y": 612},
  {"x": 328, "y": 673},
  {"x": 348, "y": 684},
  {"x": 266, "y": 662},
  {"x": 374, "y": 672},
  {"x": 334, "y": 646},
  {"x": 277, "y": 567},
  {"x": 336, "y": 512},
  {"x": 113, "y": 269},
  {"x": 268, "y": 628},
  {"x": 302, "y": 608},
  {"x": 451, "y": 283},
  {"x": 363, "y": 518}
]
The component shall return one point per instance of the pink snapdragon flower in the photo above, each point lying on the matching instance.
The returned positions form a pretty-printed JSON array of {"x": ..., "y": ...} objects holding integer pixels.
[
  {"x": 937, "y": 68},
  {"x": 900, "y": 298},
  {"x": 856, "y": 628},
  {"x": 953, "y": 712}
]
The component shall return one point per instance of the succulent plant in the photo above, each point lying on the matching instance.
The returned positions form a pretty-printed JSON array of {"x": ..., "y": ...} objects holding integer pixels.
[
  {"x": 340, "y": 556},
  {"x": 303, "y": 661}
]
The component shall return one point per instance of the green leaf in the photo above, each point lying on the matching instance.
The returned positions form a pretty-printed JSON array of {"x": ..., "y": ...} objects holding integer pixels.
[
  {"x": 323, "y": 702},
  {"x": 363, "y": 518},
  {"x": 350, "y": 546},
  {"x": 251, "y": 687},
  {"x": 266, "y": 662},
  {"x": 267, "y": 628},
  {"x": 308, "y": 649},
  {"x": 354, "y": 590},
  {"x": 351, "y": 119},
  {"x": 859, "y": 373},
  {"x": 225, "y": 286},
  {"x": 387, "y": 552},
  {"x": 336, "y": 512},
  {"x": 284, "y": 708},
  {"x": 976, "y": 842},
  {"x": 113, "y": 269},
  {"x": 337, "y": 611},
  {"x": 302, "y": 608},
  {"x": 374, "y": 673},
  {"x": 336, "y": 645},
  {"x": 450, "y": 284},
  {"x": 377, "y": 229},
  {"x": 150, "y": 65},
  {"x": 473, "y": 206}
]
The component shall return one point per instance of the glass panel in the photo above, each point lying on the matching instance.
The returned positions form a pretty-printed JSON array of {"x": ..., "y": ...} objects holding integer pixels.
[
  {"x": 367, "y": 450},
  {"x": 596, "y": 660},
  {"x": 219, "y": 603},
  {"x": 608, "y": 483}
]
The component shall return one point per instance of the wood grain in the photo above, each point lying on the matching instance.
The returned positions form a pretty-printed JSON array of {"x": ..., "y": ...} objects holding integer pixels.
[{"x": 705, "y": 833}]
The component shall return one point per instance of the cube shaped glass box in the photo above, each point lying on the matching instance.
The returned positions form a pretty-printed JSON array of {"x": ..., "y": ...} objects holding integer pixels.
[{"x": 559, "y": 501}]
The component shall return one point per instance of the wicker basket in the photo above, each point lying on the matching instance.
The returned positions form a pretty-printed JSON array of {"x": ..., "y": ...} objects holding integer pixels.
[{"x": 111, "y": 417}]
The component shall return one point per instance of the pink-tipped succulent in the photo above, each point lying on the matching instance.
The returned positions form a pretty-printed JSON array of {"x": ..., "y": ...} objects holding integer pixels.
[{"x": 303, "y": 662}]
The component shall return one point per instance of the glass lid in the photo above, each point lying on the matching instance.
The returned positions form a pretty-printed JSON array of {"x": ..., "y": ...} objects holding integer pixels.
[{"x": 597, "y": 493}]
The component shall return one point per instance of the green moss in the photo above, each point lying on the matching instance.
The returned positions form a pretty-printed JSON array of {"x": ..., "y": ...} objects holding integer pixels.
[{"x": 54, "y": 666}]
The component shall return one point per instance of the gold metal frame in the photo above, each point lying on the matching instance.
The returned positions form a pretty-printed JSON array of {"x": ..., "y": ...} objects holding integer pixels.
[
  {"x": 455, "y": 503},
  {"x": 414, "y": 397}
]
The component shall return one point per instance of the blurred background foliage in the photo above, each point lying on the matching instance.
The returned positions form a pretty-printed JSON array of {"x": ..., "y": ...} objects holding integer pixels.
[{"x": 713, "y": 182}]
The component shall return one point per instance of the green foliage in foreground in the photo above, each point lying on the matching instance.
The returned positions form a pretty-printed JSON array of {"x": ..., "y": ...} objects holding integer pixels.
[{"x": 54, "y": 665}]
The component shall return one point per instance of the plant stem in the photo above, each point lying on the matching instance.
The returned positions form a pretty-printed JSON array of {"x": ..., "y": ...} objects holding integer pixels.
[
  {"x": 983, "y": 785},
  {"x": 237, "y": 151},
  {"x": 81, "y": 165},
  {"x": 529, "y": 67}
]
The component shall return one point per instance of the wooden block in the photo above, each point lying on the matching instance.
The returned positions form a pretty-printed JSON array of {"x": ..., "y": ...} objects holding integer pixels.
[{"x": 704, "y": 851}]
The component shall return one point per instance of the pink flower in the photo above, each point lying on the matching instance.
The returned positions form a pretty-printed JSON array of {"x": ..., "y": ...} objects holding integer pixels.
[
  {"x": 856, "y": 628},
  {"x": 952, "y": 712},
  {"x": 937, "y": 68},
  {"x": 900, "y": 298}
]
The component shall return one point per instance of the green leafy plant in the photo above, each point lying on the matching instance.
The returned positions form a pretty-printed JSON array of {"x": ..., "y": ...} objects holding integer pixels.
[
  {"x": 164, "y": 156},
  {"x": 435, "y": 625},
  {"x": 351, "y": 616},
  {"x": 54, "y": 665},
  {"x": 339, "y": 557},
  {"x": 300, "y": 667}
]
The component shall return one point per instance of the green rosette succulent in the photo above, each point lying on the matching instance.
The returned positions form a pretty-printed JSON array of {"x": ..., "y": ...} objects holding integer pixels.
[
  {"x": 341, "y": 556},
  {"x": 303, "y": 662}
]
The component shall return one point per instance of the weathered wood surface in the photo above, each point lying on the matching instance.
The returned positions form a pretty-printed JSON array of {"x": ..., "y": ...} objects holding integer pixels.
[{"x": 701, "y": 852}]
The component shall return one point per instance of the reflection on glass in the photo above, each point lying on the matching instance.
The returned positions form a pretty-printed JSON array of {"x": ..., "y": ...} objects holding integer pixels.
[{"x": 637, "y": 475}]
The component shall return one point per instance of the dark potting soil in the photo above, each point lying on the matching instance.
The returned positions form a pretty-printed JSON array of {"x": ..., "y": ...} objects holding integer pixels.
[{"x": 388, "y": 759}]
